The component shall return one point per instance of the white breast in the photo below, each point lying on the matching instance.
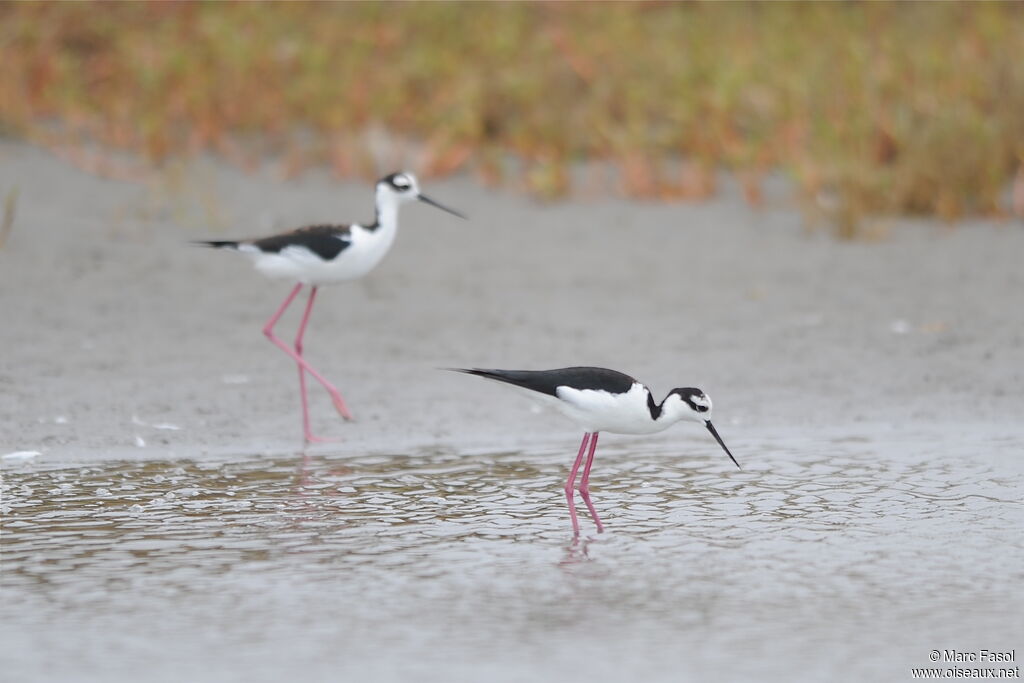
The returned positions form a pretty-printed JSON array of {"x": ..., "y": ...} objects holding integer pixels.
[{"x": 601, "y": 411}]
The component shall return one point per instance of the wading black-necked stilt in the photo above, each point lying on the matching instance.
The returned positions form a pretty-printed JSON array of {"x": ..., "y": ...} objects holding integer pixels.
[
  {"x": 601, "y": 400},
  {"x": 326, "y": 254}
]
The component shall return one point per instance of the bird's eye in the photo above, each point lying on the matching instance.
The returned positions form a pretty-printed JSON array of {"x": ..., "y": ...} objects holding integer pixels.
[
  {"x": 700, "y": 402},
  {"x": 401, "y": 183}
]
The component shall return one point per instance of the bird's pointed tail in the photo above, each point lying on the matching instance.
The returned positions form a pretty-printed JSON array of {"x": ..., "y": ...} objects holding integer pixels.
[
  {"x": 217, "y": 244},
  {"x": 479, "y": 372},
  {"x": 519, "y": 378}
]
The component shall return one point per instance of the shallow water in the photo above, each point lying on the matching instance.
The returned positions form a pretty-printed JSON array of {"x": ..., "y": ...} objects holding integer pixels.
[{"x": 825, "y": 558}]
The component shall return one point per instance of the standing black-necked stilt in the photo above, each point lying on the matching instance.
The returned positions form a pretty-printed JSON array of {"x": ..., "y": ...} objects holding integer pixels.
[
  {"x": 326, "y": 254},
  {"x": 601, "y": 400}
]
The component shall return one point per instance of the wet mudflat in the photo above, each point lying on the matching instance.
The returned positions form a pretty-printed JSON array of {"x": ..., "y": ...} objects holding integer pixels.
[
  {"x": 843, "y": 557},
  {"x": 168, "y": 531}
]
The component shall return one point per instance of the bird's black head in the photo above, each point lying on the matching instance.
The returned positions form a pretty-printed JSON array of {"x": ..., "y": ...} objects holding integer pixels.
[
  {"x": 402, "y": 187},
  {"x": 400, "y": 182},
  {"x": 690, "y": 403},
  {"x": 695, "y": 402}
]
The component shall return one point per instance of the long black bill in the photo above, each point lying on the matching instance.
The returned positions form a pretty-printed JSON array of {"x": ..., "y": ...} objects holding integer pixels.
[
  {"x": 714, "y": 433},
  {"x": 427, "y": 200}
]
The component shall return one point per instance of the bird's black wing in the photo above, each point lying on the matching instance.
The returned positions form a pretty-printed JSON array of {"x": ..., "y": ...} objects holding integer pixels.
[
  {"x": 326, "y": 241},
  {"x": 548, "y": 381}
]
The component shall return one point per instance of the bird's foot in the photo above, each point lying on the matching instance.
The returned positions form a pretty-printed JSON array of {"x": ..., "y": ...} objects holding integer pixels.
[
  {"x": 339, "y": 405},
  {"x": 313, "y": 438}
]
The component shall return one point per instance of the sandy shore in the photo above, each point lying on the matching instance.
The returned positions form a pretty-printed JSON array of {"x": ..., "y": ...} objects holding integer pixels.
[{"x": 120, "y": 340}]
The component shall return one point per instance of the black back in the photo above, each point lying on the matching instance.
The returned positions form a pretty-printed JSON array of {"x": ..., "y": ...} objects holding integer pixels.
[
  {"x": 326, "y": 241},
  {"x": 547, "y": 381}
]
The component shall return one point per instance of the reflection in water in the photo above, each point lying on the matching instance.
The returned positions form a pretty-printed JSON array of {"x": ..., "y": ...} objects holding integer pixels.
[{"x": 389, "y": 566}]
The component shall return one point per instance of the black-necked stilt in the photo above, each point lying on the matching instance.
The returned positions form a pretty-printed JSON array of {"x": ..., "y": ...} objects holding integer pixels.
[
  {"x": 326, "y": 254},
  {"x": 601, "y": 400}
]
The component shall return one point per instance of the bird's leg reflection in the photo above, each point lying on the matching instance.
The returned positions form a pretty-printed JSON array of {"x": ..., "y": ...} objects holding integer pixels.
[
  {"x": 575, "y": 553},
  {"x": 300, "y": 507},
  {"x": 302, "y": 475},
  {"x": 308, "y": 492}
]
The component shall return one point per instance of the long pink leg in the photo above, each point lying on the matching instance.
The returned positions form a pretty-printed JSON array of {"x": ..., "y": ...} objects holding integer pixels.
[
  {"x": 570, "y": 485},
  {"x": 307, "y": 432},
  {"x": 585, "y": 483},
  {"x": 268, "y": 330}
]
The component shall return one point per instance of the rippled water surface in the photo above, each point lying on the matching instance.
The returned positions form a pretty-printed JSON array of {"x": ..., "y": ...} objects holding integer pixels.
[{"x": 824, "y": 559}]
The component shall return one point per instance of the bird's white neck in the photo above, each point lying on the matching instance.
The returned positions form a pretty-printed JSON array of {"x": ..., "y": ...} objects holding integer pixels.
[
  {"x": 387, "y": 213},
  {"x": 668, "y": 412}
]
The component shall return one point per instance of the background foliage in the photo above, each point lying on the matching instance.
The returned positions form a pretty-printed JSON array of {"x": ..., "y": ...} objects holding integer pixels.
[{"x": 908, "y": 108}]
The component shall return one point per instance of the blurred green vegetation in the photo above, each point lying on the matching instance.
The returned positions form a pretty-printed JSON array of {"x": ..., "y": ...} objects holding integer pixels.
[{"x": 881, "y": 108}]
